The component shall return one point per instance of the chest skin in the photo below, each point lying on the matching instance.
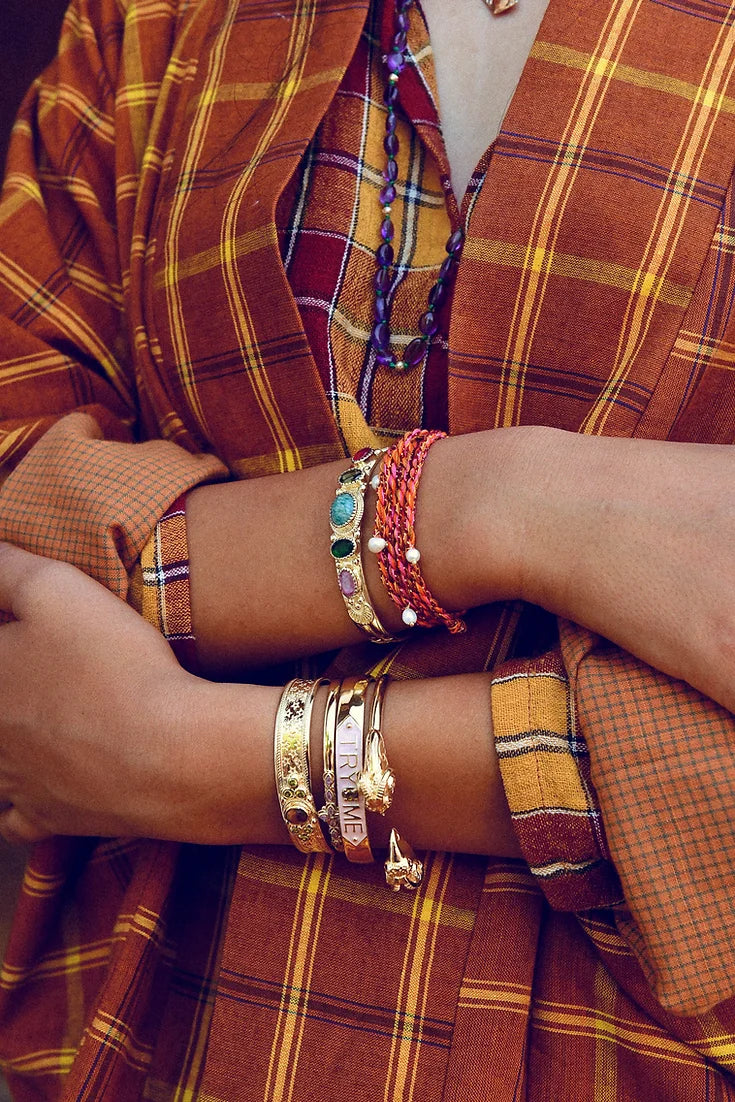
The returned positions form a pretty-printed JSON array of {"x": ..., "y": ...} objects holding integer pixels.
[{"x": 478, "y": 59}]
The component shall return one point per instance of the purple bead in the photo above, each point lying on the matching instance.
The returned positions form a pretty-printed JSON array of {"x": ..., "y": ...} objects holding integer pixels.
[
  {"x": 403, "y": 20},
  {"x": 391, "y": 122},
  {"x": 437, "y": 295},
  {"x": 381, "y": 308},
  {"x": 415, "y": 352},
  {"x": 403, "y": 5},
  {"x": 387, "y": 195},
  {"x": 390, "y": 95},
  {"x": 347, "y": 583},
  {"x": 455, "y": 242},
  {"x": 382, "y": 281},
  {"x": 383, "y": 357},
  {"x": 396, "y": 63},
  {"x": 390, "y": 144},
  {"x": 380, "y": 336},
  {"x": 428, "y": 324},
  {"x": 385, "y": 255},
  {"x": 387, "y": 230},
  {"x": 400, "y": 40},
  {"x": 390, "y": 172},
  {"x": 448, "y": 268}
]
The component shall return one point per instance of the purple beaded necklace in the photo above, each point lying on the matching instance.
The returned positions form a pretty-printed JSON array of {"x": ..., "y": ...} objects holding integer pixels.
[{"x": 381, "y": 337}]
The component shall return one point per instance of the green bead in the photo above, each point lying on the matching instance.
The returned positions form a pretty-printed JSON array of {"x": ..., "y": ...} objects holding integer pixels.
[{"x": 342, "y": 548}]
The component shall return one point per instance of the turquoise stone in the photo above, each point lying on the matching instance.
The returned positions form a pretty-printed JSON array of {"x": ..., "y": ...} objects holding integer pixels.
[
  {"x": 343, "y": 509},
  {"x": 351, "y": 475},
  {"x": 342, "y": 548}
]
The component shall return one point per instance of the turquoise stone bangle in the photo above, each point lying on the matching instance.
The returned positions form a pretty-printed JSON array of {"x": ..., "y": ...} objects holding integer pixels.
[{"x": 345, "y": 517}]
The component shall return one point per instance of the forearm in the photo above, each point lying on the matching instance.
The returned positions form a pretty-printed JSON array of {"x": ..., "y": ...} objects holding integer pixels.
[
  {"x": 438, "y": 736},
  {"x": 263, "y": 583}
]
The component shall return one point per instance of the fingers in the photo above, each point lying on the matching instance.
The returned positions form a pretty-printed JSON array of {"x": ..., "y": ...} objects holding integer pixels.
[{"x": 19, "y": 831}]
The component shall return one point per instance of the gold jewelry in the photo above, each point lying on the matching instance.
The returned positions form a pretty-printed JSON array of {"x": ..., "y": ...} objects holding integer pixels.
[
  {"x": 377, "y": 781},
  {"x": 402, "y": 867},
  {"x": 345, "y": 517},
  {"x": 329, "y": 814},
  {"x": 499, "y": 7},
  {"x": 348, "y": 743},
  {"x": 291, "y": 762}
]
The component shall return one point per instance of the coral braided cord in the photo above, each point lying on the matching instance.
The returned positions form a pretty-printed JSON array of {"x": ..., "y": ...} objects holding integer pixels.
[{"x": 395, "y": 519}]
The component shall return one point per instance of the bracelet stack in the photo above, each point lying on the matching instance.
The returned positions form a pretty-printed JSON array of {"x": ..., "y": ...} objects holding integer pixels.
[
  {"x": 395, "y": 474},
  {"x": 357, "y": 777}
]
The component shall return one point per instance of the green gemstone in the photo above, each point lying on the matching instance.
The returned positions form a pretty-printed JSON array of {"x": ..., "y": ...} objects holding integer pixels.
[
  {"x": 342, "y": 548},
  {"x": 351, "y": 475},
  {"x": 342, "y": 510}
]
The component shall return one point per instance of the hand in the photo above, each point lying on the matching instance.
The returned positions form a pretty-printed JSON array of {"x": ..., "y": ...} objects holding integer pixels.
[
  {"x": 93, "y": 709},
  {"x": 635, "y": 539}
]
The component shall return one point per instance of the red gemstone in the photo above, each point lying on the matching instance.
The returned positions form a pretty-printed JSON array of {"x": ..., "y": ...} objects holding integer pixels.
[{"x": 362, "y": 454}]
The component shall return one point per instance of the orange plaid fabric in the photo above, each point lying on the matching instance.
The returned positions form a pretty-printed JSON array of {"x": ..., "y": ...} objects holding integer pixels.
[{"x": 151, "y": 340}]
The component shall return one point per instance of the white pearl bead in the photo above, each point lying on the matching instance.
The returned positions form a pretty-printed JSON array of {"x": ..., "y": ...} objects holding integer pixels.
[
  {"x": 375, "y": 481},
  {"x": 376, "y": 545},
  {"x": 409, "y": 617},
  {"x": 413, "y": 555}
]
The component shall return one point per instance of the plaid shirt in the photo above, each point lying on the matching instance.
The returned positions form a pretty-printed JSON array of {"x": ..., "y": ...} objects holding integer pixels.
[{"x": 154, "y": 338}]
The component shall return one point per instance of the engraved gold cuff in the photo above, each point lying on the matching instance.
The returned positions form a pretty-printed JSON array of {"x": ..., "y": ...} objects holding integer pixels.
[{"x": 291, "y": 763}]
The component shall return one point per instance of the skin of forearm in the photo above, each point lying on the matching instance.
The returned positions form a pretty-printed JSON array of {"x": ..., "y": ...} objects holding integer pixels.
[
  {"x": 438, "y": 735},
  {"x": 263, "y": 583}
]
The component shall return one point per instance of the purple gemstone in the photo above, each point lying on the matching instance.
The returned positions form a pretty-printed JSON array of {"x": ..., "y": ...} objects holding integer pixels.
[
  {"x": 390, "y": 95},
  {"x": 455, "y": 242},
  {"x": 390, "y": 172},
  {"x": 437, "y": 295},
  {"x": 428, "y": 324},
  {"x": 387, "y": 194},
  {"x": 387, "y": 230},
  {"x": 380, "y": 336},
  {"x": 400, "y": 40},
  {"x": 381, "y": 308},
  {"x": 403, "y": 5},
  {"x": 395, "y": 62},
  {"x": 383, "y": 358},
  {"x": 382, "y": 281},
  {"x": 403, "y": 20},
  {"x": 390, "y": 144},
  {"x": 391, "y": 122},
  {"x": 415, "y": 352},
  {"x": 385, "y": 255},
  {"x": 347, "y": 583},
  {"x": 448, "y": 268}
]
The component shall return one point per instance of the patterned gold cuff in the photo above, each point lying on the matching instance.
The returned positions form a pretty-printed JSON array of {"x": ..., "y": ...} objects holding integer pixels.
[
  {"x": 291, "y": 762},
  {"x": 345, "y": 518}
]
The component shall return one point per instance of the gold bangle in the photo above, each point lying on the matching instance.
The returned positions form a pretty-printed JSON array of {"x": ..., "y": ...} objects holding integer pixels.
[
  {"x": 291, "y": 762},
  {"x": 345, "y": 517},
  {"x": 377, "y": 782},
  {"x": 348, "y": 743},
  {"x": 329, "y": 814},
  {"x": 402, "y": 867}
]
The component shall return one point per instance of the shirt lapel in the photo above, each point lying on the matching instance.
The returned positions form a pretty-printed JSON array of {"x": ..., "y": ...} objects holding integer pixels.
[{"x": 596, "y": 216}]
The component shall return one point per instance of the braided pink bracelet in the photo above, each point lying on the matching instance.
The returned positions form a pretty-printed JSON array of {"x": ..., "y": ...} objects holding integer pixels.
[{"x": 394, "y": 535}]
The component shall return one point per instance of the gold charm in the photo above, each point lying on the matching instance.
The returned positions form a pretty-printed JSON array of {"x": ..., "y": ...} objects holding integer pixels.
[
  {"x": 499, "y": 7},
  {"x": 402, "y": 868},
  {"x": 377, "y": 781}
]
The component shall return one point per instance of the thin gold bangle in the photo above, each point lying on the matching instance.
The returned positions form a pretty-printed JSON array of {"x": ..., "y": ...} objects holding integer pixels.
[
  {"x": 329, "y": 813},
  {"x": 377, "y": 782},
  {"x": 291, "y": 763},
  {"x": 348, "y": 742}
]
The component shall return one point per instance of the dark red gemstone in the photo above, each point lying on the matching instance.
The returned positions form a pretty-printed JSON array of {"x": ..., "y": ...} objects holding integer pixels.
[{"x": 363, "y": 453}]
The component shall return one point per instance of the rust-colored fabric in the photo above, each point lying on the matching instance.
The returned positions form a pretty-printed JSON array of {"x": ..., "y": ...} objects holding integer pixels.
[{"x": 146, "y": 308}]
